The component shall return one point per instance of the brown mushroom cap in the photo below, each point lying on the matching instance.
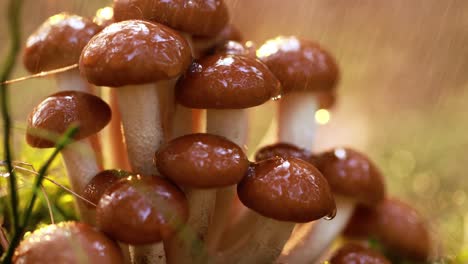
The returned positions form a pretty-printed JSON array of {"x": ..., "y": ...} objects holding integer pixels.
[
  {"x": 67, "y": 242},
  {"x": 134, "y": 52},
  {"x": 355, "y": 253},
  {"x": 196, "y": 17},
  {"x": 397, "y": 225},
  {"x": 283, "y": 150},
  {"x": 237, "y": 48},
  {"x": 141, "y": 210},
  {"x": 287, "y": 190},
  {"x": 352, "y": 174},
  {"x": 300, "y": 65},
  {"x": 326, "y": 99},
  {"x": 227, "y": 82},
  {"x": 95, "y": 188},
  {"x": 202, "y": 161},
  {"x": 58, "y": 42},
  {"x": 61, "y": 110}
]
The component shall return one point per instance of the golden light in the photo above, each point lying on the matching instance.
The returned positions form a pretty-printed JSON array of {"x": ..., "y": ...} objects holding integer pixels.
[
  {"x": 103, "y": 14},
  {"x": 322, "y": 116}
]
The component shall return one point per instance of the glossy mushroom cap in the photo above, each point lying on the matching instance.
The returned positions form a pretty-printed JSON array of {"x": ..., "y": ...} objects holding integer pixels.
[
  {"x": 355, "y": 253},
  {"x": 67, "y": 242},
  {"x": 53, "y": 116},
  {"x": 196, "y": 17},
  {"x": 397, "y": 225},
  {"x": 227, "y": 82},
  {"x": 95, "y": 188},
  {"x": 237, "y": 48},
  {"x": 202, "y": 161},
  {"x": 134, "y": 52},
  {"x": 283, "y": 150},
  {"x": 300, "y": 65},
  {"x": 326, "y": 99},
  {"x": 286, "y": 190},
  {"x": 141, "y": 210},
  {"x": 58, "y": 42},
  {"x": 352, "y": 174},
  {"x": 104, "y": 16}
]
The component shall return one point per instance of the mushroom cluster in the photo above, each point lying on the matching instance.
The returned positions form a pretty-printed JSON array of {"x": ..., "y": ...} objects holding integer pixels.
[{"x": 182, "y": 82}]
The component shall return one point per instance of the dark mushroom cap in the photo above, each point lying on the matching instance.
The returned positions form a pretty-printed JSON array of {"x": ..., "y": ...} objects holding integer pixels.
[
  {"x": 397, "y": 225},
  {"x": 286, "y": 190},
  {"x": 141, "y": 210},
  {"x": 67, "y": 242},
  {"x": 326, "y": 99},
  {"x": 104, "y": 16},
  {"x": 58, "y": 42},
  {"x": 54, "y": 115},
  {"x": 283, "y": 150},
  {"x": 99, "y": 184},
  {"x": 237, "y": 48},
  {"x": 202, "y": 161},
  {"x": 134, "y": 52},
  {"x": 227, "y": 82},
  {"x": 352, "y": 174},
  {"x": 300, "y": 65},
  {"x": 355, "y": 253},
  {"x": 196, "y": 17}
]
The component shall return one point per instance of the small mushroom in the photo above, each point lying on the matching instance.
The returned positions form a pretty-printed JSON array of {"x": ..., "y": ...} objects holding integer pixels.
[
  {"x": 303, "y": 68},
  {"x": 397, "y": 225},
  {"x": 143, "y": 71},
  {"x": 67, "y": 242},
  {"x": 54, "y": 116},
  {"x": 96, "y": 187},
  {"x": 283, "y": 150},
  {"x": 282, "y": 192},
  {"x": 355, "y": 253},
  {"x": 142, "y": 211},
  {"x": 354, "y": 180},
  {"x": 202, "y": 164}
]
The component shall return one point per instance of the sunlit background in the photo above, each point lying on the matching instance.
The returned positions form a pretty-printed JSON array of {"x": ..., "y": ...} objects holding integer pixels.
[{"x": 402, "y": 96}]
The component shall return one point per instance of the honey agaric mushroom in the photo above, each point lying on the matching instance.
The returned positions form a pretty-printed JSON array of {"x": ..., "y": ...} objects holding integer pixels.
[
  {"x": 303, "y": 68},
  {"x": 354, "y": 179},
  {"x": 142, "y": 60},
  {"x": 283, "y": 150},
  {"x": 203, "y": 164},
  {"x": 397, "y": 225},
  {"x": 99, "y": 184},
  {"x": 226, "y": 85},
  {"x": 142, "y": 210},
  {"x": 57, "y": 113},
  {"x": 282, "y": 192},
  {"x": 67, "y": 242},
  {"x": 355, "y": 253}
]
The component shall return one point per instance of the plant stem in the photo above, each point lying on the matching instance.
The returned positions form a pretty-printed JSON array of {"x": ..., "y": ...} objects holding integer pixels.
[
  {"x": 13, "y": 14},
  {"x": 62, "y": 143}
]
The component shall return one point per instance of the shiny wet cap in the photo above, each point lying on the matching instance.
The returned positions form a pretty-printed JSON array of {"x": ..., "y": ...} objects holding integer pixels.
[
  {"x": 202, "y": 161},
  {"x": 53, "y": 116},
  {"x": 237, "y": 48},
  {"x": 352, "y": 174},
  {"x": 67, "y": 242},
  {"x": 96, "y": 187},
  {"x": 227, "y": 82},
  {"x": 283, "y": 150},
  {"x": 356, "y": 253},
  {"x": 134, "y": 52},
  {"x": 141, "y": 210},
  {"x": 287, "y": 190},
  {"x": 299, "y": 64},
  {"x": 195, "y": 17},
  {"x": 58, "y": 42}
]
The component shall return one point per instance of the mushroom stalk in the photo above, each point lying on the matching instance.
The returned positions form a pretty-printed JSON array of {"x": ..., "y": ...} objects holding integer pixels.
[
  {"x": 141, "y": 107},
  {"x": 72, "y": 80},
  {"x": 187, "y": 246},
  {"x": 81, "y": 165},
  {"x": 232, "y": 124},
  {"x": 183, "y": 121},
  {"x": 152, "y": 253},
  {"x": 315, "y": 238},
  {"x": 296, "y": 119},
  {"x": 263, "y": 245}
]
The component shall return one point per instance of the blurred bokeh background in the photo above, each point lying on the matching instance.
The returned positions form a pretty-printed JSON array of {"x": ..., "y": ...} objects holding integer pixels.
[{"x": 402, "y": 97}]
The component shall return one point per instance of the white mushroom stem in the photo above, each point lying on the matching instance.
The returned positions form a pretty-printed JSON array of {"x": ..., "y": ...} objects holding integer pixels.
[
  {"x": 72, "y": 81},
  {"x": 188, "y": 245},
  {"x": 183, "y": 121},
  {"x": 314, "y": 239},
  {"x": 296, "y": 119},
  {"x": 264, "y": 244},
  {"x": 81, "y": 165},
  {"x": 141, "y": 107},
  {"x": 232, "y": 124},
  {"x": 148, "y": 254}
]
